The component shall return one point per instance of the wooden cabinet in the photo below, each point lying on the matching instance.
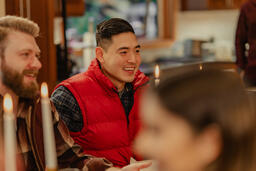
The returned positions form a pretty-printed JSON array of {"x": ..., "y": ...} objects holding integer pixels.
[
  {"x": 210, "y": 4},
  {"x": 193, "y": 5},
  {"x": 75, "y": 7},
  {"x": 225, "y": 4}
]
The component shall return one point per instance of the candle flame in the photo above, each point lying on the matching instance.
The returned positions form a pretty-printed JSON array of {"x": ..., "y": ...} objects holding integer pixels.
[
  {"x": 200, "y": 67},
  {"x": 157, "y": 71},
  {"x": 8, "y": 105},
  {"x": 44, "y": 90}
]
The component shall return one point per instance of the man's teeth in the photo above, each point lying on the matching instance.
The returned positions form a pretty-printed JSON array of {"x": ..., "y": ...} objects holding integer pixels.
[
  {"x": 30, "y": 75},
  {"x": 129, "y": 69}
]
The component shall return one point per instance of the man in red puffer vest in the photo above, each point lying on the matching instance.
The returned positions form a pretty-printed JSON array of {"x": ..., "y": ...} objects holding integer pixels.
[{"x": 100, "y": 106}]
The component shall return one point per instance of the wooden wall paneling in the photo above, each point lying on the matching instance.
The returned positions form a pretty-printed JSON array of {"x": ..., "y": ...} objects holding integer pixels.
[
  {"x": 194, "y": 5},
  {"x": 12, "y": 7},
  {"x": 43, "y": 13},
  {"x": 57, "y": 8},
  {"x": 169, "y": 22},
  {"x": 217, "y": 4},
  {"x": 18, "y": 7},
  {"x": 183, "y": 5},
  {"x": 210, "y": 4},
  {"x": 75, "y": 7}
]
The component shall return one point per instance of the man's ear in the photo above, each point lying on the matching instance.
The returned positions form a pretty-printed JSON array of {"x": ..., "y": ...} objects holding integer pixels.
[
  {"x": 1, "y": 59},
  {"x": 210, "y": 145},
  {"x": 99, "y": 54}
]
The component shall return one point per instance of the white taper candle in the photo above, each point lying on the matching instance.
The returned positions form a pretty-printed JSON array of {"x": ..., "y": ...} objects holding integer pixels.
[
  {"x": 48, "y": 132},
  {"x": 9, "y": 135}
]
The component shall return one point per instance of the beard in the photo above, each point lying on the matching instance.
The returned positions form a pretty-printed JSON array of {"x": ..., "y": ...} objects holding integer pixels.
[{"x": 14, "y": 80}]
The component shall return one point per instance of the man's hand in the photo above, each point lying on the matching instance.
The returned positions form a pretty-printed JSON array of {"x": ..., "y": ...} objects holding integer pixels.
[
  {"x": 133, "y": 167},
  {"x": 137, "y": 166},
  {"x": 242, "y": 74}
]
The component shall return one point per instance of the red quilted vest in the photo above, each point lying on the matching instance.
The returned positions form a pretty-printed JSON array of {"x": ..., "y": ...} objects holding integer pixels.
[{"x": 106, "y": 132}]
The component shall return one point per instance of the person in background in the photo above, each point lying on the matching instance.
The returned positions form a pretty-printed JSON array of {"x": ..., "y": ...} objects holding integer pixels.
[
  {"x": 100, "y": 106},
  {"x": 19, "y": 67},
  {"x": 199, "y": 121},
  {"x": 245, "y": 42}
]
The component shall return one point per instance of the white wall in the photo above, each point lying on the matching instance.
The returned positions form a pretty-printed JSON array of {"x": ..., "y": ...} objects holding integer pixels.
[
  {"x": 220, "y": 24},
  {"x": 2, "y": 8}
]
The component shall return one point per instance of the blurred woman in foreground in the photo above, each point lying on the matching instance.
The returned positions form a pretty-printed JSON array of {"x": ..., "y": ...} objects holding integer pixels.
[{"x": 199, "y": 121}]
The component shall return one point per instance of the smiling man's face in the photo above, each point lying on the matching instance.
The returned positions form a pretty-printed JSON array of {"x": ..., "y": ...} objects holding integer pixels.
[
  {"x": 20, "y": 64},
  {"x": 121, "y": 59}
]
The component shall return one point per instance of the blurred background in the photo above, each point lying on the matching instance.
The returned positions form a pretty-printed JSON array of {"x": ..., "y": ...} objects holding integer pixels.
[{"x": 171, "y": 32}]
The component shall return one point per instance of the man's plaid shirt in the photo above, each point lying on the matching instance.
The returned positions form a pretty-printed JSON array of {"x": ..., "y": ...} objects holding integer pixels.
[
  {"x": 68, "y": 153},
  {"x": 69, "y": 109}
]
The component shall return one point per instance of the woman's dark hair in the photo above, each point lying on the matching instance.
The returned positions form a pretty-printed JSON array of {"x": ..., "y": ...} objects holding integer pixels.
[
  {"x": 108, "y": 28},
  {"x": 217, "y": 97}
]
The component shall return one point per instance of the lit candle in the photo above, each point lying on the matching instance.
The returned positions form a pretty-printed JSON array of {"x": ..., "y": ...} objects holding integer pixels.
[
  {"x": 49, "y": 140},
  {"x": 200, "y": 67},
  {"x": 9, "y": 134},
  {"x": 157, "y": 74}
]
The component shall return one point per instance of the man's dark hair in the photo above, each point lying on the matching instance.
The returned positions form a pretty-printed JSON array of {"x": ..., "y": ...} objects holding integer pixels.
[{"x": 108, "y": 28}]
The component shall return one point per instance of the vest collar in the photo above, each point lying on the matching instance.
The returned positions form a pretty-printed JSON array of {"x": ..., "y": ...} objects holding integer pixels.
[{"x": 95, "y": 70}]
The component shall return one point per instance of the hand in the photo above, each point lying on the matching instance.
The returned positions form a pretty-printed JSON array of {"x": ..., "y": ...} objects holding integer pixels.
[
  {"x": 137, "y": 166},
  {"x": 133, "y": 167},
  {"x": 242, "y": 74}
]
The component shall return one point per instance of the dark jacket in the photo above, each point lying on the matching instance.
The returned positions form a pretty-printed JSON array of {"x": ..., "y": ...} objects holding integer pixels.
[{"x": 246, "y": 33}]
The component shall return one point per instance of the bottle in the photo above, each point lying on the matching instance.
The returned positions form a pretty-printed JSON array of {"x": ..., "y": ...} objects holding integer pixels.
[{"x": 89, "y": 44}]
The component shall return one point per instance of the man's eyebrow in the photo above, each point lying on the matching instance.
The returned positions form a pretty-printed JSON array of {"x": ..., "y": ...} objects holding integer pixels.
[
  {"x": 28, "y": 49},
  {"x": 122, "y": 48},
  {"x": 125, "y": 48}
]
